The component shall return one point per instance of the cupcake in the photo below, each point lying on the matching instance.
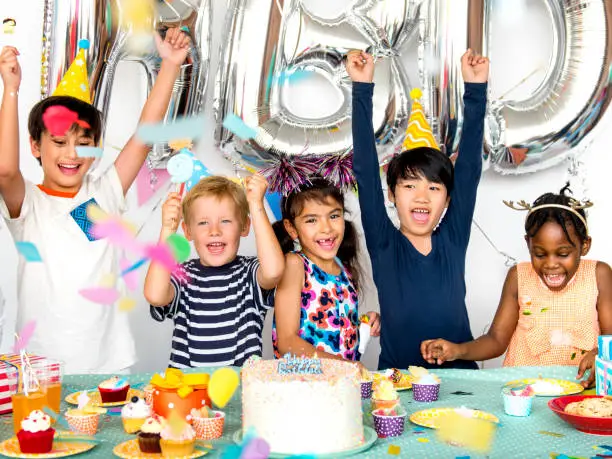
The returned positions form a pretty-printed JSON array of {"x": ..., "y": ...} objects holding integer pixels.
[
  {"x": 8, "y": 25},
  {"x": 36, "y": 434},
  {"x": 385, "y": 395},
  {"x": 208, "y": 424},
  {"x": 149, "y": 435},
  {"x": 83, "y": 420},
  {"x": 426, "y": 386},
  {"x": 389, "y": 422},
  {"x": 114, "y": 390},
  {"x": 177, "y": 438},
  {"x": 134, "y": 414}
]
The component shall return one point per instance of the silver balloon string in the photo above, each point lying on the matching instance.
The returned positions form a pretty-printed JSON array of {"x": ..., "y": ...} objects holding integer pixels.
[{"x": 509, "y": 259}]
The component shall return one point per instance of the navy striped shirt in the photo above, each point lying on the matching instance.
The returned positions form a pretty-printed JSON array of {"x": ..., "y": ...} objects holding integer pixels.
[{"x": 218, "y": 314}]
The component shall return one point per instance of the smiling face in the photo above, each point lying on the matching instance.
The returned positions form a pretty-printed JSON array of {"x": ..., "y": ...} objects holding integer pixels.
[
  {"x": 320, "y": 229},
  {"x": 215, "y": 227},
  {"x": 554, "y": 257},
  {"x": 419, "y": 204},
  {"x": 63, "y": 169}
]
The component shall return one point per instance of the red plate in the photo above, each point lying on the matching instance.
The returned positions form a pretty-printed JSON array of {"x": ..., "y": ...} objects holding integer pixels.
[{"x": 586, "y": 424}]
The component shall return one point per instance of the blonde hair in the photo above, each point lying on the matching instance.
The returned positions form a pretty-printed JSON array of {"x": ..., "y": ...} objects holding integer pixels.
[{"x": 218, "y": 187}]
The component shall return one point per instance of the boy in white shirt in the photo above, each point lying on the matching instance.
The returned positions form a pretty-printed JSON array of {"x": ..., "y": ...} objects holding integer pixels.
[{"x": 87, "y": 337}]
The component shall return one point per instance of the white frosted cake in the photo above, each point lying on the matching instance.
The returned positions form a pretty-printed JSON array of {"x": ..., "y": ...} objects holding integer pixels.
[{"x": 300, "y": 411}]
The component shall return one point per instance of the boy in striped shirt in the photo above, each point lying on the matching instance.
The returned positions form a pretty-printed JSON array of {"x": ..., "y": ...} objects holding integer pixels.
[{"x": 219, "y": 311}]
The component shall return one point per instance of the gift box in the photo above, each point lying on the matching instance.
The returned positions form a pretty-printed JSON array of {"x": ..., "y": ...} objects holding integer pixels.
[
  {"x": 10, "y": 369},
  {"x": 175, "y": 391},
  {"x": 603, "y": 376}
]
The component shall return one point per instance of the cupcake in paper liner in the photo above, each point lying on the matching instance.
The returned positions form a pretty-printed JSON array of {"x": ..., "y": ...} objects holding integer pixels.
[
  {"x": 177, "y": 438},
  {"x": 149, "y": 435},
  {"x": 36, "y": 434},
  {"x": 389, "y": 422},
  {"x": 208, "y": 424},
  {"x": 384, "y": 395},
  {"x": 518, "y": 402},
  {"x": 134, "y": 414},
  {"x": 426, "y": 386},
  {"x": 83, "y": 421},
  {"x": 114, "y": 390},
  {"x": 149, "y": 390}
]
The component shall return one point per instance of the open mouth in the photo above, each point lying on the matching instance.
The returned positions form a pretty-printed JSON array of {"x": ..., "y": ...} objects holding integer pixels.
[
  {"x": 554, "y": 280},
  {"x": 420, "y": 216},
  {"x": 216, "y": 248},
  {"x": 327, "y": 244},
  {"x": 69, "y": 169}
]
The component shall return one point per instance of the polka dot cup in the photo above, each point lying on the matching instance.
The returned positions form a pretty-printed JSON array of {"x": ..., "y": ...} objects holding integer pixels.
[
  {"x": 83, "y": 423},
  {"x": 366, "y": 389},
  {"x": 389, "y": 425},
  {"x": 209, "y": 428},
  {"x": 425, "y": 392}
]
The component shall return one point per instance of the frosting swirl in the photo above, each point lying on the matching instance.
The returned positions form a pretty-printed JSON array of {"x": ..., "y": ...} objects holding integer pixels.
[
  {"x": 36, "y": 421},
  {"x": 137, "y": 408},
  {"x": 153, "y": 425},
  {"x": 113, "y": 383}
]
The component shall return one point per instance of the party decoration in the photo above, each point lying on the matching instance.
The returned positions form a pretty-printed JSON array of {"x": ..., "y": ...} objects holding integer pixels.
[
  {"x": 181, "y": 249},
  {"x": 100, "y": 295},
  {"x": 274, "y": 201},
  {"x": 223, "y": 383},
  {"x": 299, "y": 365},
  {"x": 288, "y": 173},
  {"x": 8, "y": 26},
  {"x": 199, "y": 171},
  {"x": 184, "y": 384},
  {"x": 89, "y": 152},
  {"x": 23, "y": 337},
  {"x": 28, "y": 251},
  {"x": 149, "y": 181},
  {"x": 75, "y": 82},
  {"x": 151, "y": 133},
  {"x": 126, "y": 304},
  {"x": 83, "y": 399},
  {"x": 129, "y": 272},
  {"x": 365, "y": 330},
  {"x": 59, "y": 120},
  {"x": 109, "y": 27},
  {"x": 180, "y": 167},
  {"x": 418, "y": 132},
  {"x": 238, "y": 127},
  {"x": 292, "y": 39}
]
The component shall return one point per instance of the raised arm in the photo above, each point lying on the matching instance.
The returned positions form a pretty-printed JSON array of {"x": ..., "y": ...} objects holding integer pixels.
[
  {"x": 271, "y": 258},
  {"x": 158, "y": 289},
  {"x": 376, "y": 223},
  {"x": 468, "y": 167},
  {"x": 493, "y": 344},
  {"x": 173, "y": 51},
  {"x": 12, "y": 186}
]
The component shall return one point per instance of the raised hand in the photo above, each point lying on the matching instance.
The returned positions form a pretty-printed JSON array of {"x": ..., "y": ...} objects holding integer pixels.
[
  {"x": 474, "y": 68},
  {"x": 10, "y": 70},
  {"x": 360, "y": 66},
  {"x": 256, "y": 186},
  {"x": 175, "y": 47},
  {"x": 171, "y": 213}
]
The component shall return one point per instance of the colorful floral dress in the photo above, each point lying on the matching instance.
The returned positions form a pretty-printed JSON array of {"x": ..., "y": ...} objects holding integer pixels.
[{"x": 328, "y": 318}]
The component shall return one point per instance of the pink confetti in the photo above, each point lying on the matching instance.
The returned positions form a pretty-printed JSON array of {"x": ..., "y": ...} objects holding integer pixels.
[
  {"x": 145, "y": 187},
  {"x": 24, "y": 336},
  {"x": 100, "y": 295},
  {"x": 117, "y": 234},
  {"x": 58, "y": 120},
  {"x": 130, "y": 278},
  {"x": 161, "y": 254}
]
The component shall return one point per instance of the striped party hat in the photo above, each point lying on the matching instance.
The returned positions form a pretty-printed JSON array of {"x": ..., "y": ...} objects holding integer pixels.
[{"x": 418, "y": 132}]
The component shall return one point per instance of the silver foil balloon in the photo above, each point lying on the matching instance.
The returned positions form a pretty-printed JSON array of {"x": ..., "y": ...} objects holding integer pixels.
[
  {"x": 100, "y": 21},
  {"x": 268, "y": 48},
  {"x": 542, "y": 130}
]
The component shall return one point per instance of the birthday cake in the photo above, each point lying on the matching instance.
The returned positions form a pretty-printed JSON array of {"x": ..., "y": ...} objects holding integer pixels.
[{"x": 292, "y": 403}]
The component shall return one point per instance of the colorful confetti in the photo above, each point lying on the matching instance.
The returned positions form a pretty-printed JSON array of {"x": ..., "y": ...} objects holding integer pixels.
[
  {"x": 394, "y": 450},
  {"x": 181, "y": 249},
  {"x": 126, "y": 304},
  {"x": 89, "y": 152},
  {"x": 58, "y": 120},
  {"x": 551, "y": 434},
  {"x": 100, "y": 295},
  {"x": 423, "y": 440},
  {"x": 237, "y": 126},
  {"x": 184, "y": 128},
  {"x": 24, "y": 336},
  {"x": 28, "y": 250}
]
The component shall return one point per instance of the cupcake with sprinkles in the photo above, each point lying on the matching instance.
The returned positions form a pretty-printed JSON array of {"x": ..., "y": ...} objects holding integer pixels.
[
  {"x": 149, "y": 435},
  {"x": 36, "y": 434}
]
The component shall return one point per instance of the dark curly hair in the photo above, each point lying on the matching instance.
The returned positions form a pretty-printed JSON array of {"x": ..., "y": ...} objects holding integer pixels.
[{"x": 562, "y": 217}]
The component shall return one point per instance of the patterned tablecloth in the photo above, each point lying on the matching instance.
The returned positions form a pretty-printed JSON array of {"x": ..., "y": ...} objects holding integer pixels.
[{"x": 515, "y": 438}]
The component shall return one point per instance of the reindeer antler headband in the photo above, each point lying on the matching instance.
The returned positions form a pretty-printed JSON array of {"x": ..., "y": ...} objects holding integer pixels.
[{"x": 573, "y": 207}]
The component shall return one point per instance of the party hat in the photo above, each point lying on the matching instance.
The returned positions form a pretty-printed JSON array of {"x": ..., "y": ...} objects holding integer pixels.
[
  {"x": 75, "y": 82},
  {"x": 418, "y": 132}
]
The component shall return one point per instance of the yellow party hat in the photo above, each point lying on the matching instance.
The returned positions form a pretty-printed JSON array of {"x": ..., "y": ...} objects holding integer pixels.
[
  {"x": 76, "y": 82},
  {"x": 418, "y": 132}
]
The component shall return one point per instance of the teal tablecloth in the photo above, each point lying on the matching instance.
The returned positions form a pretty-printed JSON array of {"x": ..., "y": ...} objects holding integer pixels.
[{"x": 515, "y": 438}]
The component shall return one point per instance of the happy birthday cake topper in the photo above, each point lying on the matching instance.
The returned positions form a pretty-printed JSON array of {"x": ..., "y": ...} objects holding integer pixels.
[{"x": 299, "y": 365}]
